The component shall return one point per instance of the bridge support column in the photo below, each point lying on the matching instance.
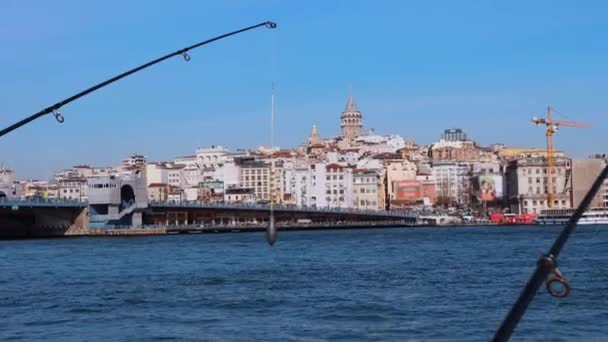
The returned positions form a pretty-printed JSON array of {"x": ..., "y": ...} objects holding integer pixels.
[{"x": 136, "y": 220}]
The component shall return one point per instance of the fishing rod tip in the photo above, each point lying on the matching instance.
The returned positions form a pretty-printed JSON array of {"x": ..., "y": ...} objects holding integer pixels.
[{"x": 271, "y": 24}]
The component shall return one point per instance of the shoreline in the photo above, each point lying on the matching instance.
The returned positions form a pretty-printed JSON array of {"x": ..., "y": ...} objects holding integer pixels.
[{"x": 194, "y": 230}]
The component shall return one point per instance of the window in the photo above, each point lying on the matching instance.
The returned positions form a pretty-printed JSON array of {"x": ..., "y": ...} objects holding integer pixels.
[
  {"x": 537, "y": 171},
  {"x": 533, "y": 202},
  {"x": 537, "y": 180},
  {"x": 525, "y": 202}
]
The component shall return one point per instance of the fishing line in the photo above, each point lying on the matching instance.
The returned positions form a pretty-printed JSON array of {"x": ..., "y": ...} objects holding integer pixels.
[{"x": 271, "y": 230}]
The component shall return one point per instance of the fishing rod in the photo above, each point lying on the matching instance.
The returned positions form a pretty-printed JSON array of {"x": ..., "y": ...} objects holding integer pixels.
[
  {"x": 546, "y": 268},
  {"x": 183, "y": 52}
]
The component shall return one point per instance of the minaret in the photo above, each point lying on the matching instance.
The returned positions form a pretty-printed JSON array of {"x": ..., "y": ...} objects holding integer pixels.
[{"x": 350, "y": 120}]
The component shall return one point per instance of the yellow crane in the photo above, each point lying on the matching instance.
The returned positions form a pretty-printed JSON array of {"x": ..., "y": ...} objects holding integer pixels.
[{"x": 552, "y": 127}]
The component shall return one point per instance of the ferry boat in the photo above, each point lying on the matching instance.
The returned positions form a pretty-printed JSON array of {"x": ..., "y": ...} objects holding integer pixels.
[{"x": 561, "y": 216}]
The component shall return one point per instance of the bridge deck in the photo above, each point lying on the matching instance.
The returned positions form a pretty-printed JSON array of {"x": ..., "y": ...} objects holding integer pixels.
[
  {"x": 40, "y": 203},
  {"x": 282, "y": 208}
]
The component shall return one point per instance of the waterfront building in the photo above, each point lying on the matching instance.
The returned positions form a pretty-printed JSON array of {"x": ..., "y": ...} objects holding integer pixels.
[
  {"x": 117, "y": 200},
  {"x": 255, "y": 174},
  {"x": 331, "y": 186},
  {"x": 367, "y": 189},
  {"x": 398, "y": 170},
  {"x": 452, "y": 185},
  {"x": 427, "y": 184},
  {"x": 526, "y": 184},
  {"x": 72, "y": 189},
  {"x": 157, "y": 173},
  {"x": 158, "y": 191},
  {"x": 239, "y": 195},
  {"x": 175, "y": 176},
  {"x": 584, "y": 173}
]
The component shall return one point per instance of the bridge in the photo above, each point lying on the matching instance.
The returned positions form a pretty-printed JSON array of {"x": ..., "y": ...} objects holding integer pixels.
[
  {"x": 233, "y": 214},
  {"x": 43, "y": 217}
]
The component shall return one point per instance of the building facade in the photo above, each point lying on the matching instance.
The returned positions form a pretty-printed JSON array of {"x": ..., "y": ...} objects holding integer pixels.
[
  {"x": 366, "y": 189},
  {"x": 527, "y": 185}
]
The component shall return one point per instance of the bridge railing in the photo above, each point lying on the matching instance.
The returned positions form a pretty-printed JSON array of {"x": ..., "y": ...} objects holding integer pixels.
[
  {"x": 41, "y": 202},
  {"x": 279, "y": 207}
]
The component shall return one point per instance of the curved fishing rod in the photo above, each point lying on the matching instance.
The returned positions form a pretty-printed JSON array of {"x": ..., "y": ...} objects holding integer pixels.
[
  {"x": 546, "y": 268},
  {"x": 183, "y": 52}
]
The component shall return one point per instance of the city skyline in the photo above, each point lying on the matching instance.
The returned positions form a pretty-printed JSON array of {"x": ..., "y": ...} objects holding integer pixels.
[{"x": 415, "y": 70}]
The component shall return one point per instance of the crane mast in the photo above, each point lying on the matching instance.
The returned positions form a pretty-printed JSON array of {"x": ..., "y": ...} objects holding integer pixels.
[{"x": 552, "y": 127}]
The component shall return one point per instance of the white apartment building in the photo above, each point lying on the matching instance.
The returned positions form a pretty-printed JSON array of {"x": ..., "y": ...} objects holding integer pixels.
[
  {"x": 175, "y": 176},
  {"x": 451, "y": 182},
  {"x": 157, "y": 173},
  {"x": 331, "y": 186}
]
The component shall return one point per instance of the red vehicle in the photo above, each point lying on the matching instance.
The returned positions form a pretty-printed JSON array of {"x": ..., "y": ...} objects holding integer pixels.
[{"x": 501, "y": 218}]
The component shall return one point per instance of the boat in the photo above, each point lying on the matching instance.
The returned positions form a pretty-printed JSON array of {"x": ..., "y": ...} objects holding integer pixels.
[{"x": 562, "y": 216}]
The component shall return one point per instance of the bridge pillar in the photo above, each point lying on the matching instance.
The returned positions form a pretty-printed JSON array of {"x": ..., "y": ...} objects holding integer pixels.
[{"x": 136, "y": 219}]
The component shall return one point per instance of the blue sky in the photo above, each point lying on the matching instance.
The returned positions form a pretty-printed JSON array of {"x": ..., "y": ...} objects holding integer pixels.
[{"x": 416, "y": 67}]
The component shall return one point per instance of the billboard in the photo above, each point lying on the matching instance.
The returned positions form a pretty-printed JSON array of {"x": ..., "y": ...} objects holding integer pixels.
[
  {"x": 407, "y": 190},
  {"x": 490, "y": 187}
]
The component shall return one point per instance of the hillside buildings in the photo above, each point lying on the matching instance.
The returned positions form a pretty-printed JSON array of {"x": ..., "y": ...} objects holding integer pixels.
[{"x": 358, "y": 169}]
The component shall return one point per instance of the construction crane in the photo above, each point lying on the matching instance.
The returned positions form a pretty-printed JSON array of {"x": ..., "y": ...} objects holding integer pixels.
[{"x": 552, "y": 127}]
